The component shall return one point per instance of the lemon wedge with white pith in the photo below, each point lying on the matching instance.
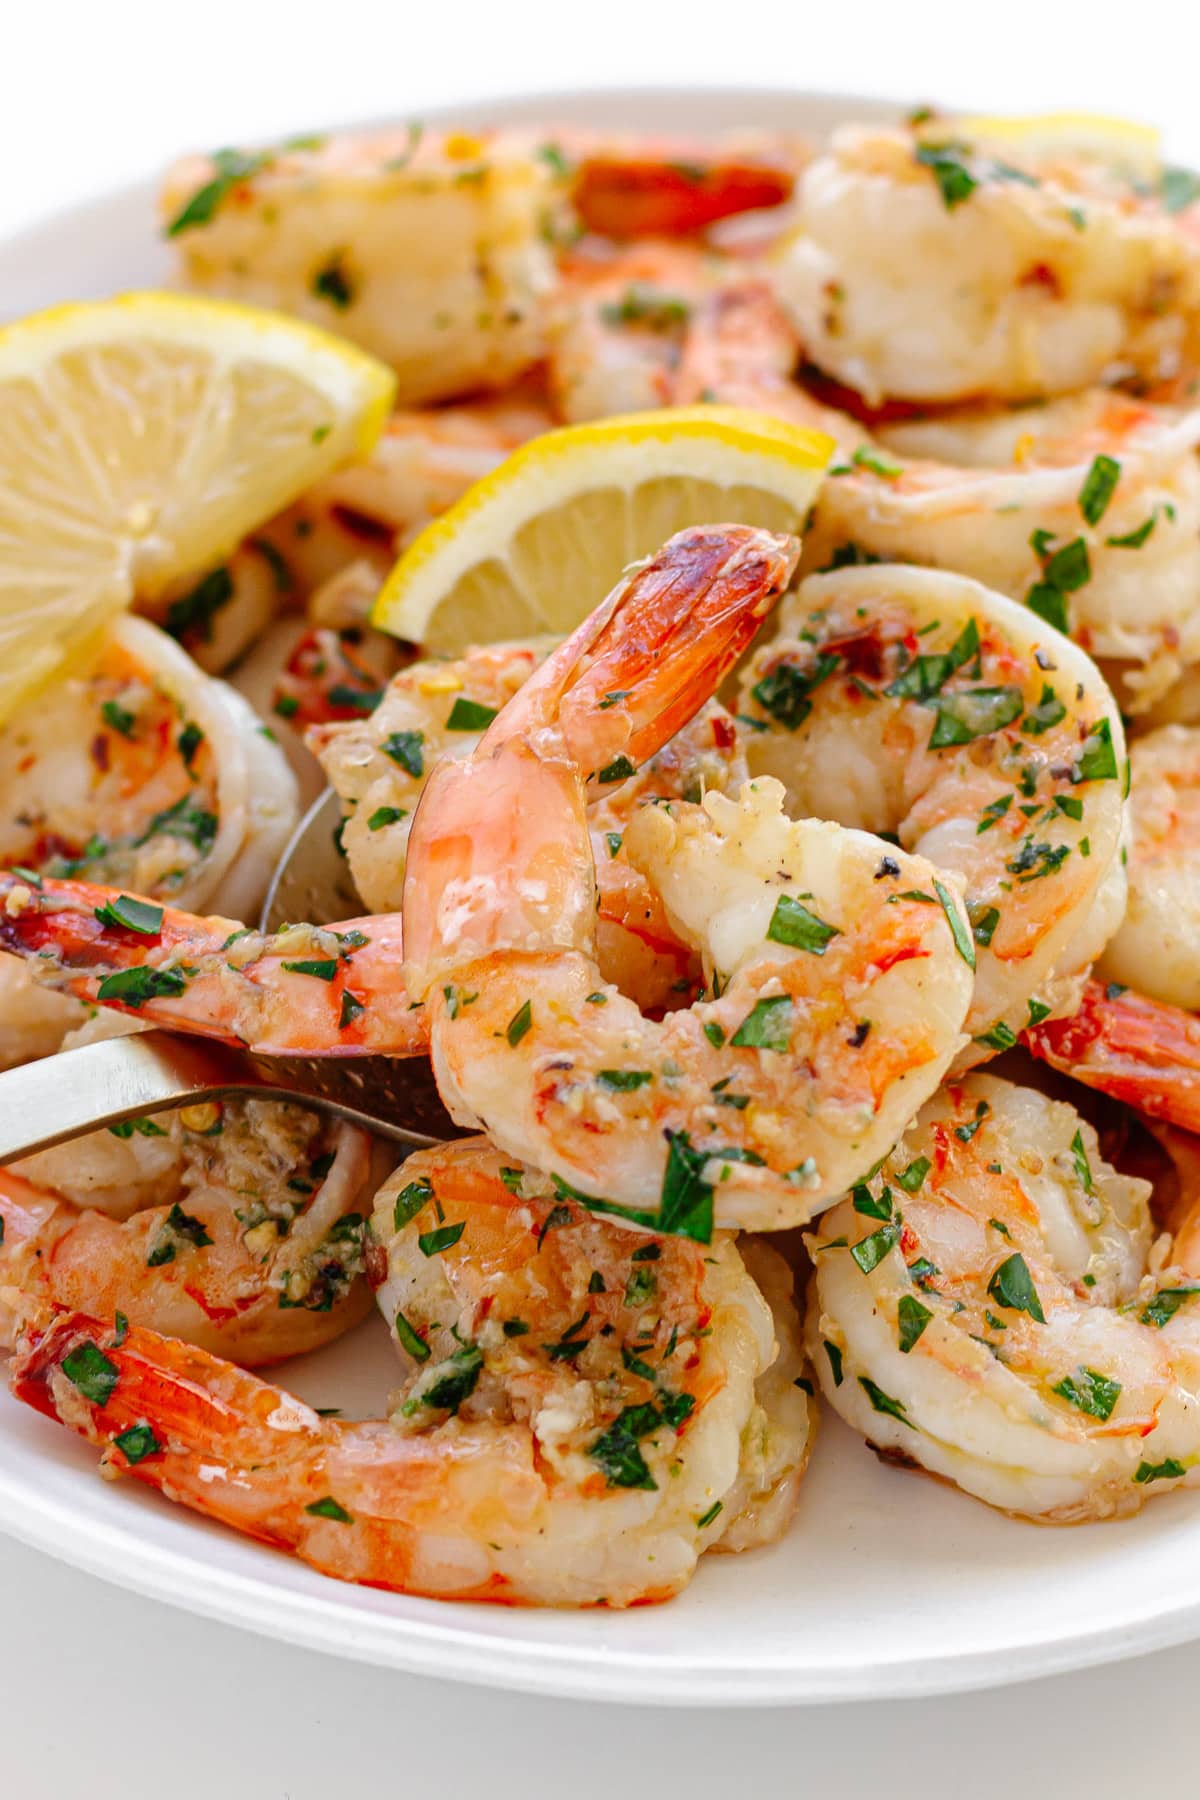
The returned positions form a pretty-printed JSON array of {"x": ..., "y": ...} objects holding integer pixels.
[
  {"x": 140, "y": 439},
  {"x": 536, "y": 544}
]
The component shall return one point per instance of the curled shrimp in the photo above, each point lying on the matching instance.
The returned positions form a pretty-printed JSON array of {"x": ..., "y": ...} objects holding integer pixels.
[
  {"x": 835, "y": 1018},
  {"x": 425, "y": 248},
  {"x": 920, "y": 704},
  {"x": 932, "y": 264},
  {"x": 1087, "y": 508},
  {"x": 257, "y": 1258},
  {"x": 339, "y": 990},
  {"x": 987, "y": 1307},
  {"x": 582, "y": 1414},
  {"x": 142, "y": 770},
  {"x": 1156, "y": 949}
]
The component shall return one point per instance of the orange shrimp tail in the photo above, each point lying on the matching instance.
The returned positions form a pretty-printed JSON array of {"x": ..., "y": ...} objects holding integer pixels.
[
  {"x": 158, "y": 1408},
  {"x": 1137, "y": 1050},
  {"x": 675, "y": 188},
  {"x": 667, "y": 639}
]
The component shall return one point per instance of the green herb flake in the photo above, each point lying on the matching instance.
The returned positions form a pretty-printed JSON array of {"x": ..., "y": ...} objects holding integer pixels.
[
  {"x": 958, "y": 931},
  {"x": 911, "y": 1178},
  {"x": 319, "y": 967},
  {"x": 706, "y": 1518},
  {"x": 432, "y": 1243},
  {"x": 992, "y": 813},
  {"x": 88, "y": 1369},
  {"x": 411, "y": 1340},
  {"x": 193, "y": 613},
  {"x": 519, "y": 1024},
  {"x": 623, "y": 1081},
  {"x": 1165, "y": 1304},
  {"x": 352, "y": 1008},
  {"x": 1170, "y": 1470},
  {"x": 126, "y": 913},
  {"x": 137, "y": 1443},
  {"x": 912, "y": 1319},
  {"x": 333, "y": 281},
  {"x": 1083, "y": 1169},
  {"x": 1089, "y": 1392},
  {"x": 409, "y": 1202},
  {"x": 1098, "y": 486},
  {"x": 231, "y": 167},
  {"x": 949, "y": 170},
  {"x": 1048, "y": 712},
  {"x": 118, "y": 719},
  {"x": 470, "y": 715},
  {"x": 835, "y": 1362},
  {"x": 1097, "y": 758},
  {"x": 404, "y": 747},
  {"x": 135, "y": 987},
  {"x": 768, "y": 1025},
  {"x": 883, "y": 1403},
  {"x": 1000, "y": 1037},
  {"x": 972, "y": 713},
  {"x": 329, "y": 1508},
  {"x": 1012, "y": 1286},
  {"x": 793, "y": 924},
  {"x": 865, "y": 1202},
  {"x": 618, "y": 770},
  {"x": 785, "y": 691},
  {"x": 386, "y": 815},
  {"x": 869, "y": 1252}
]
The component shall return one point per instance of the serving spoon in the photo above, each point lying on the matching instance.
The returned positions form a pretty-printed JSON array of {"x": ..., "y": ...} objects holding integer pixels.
[{"x": 47, "y": 1102}]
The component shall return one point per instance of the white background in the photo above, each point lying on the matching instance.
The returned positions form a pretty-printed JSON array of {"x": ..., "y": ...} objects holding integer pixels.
[{"x": 104, "y": 1694}]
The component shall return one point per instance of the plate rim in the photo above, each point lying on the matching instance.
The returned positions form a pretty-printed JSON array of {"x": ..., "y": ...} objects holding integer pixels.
[{"x": 111, "y": 1549}]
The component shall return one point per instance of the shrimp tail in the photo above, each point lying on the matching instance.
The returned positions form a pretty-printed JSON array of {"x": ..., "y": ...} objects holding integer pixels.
[
  {"x": 158, "y": 1409},
  {"x": 1141, "y": 1051},
  {"x": 675, "y": 190}
]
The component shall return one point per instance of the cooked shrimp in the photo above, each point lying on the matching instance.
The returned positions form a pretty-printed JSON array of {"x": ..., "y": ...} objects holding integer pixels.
[
  {"x": 580, "y": 1416},
  {"x": 663, "y": 325},
  {"x": 931, "y": 268},
  {"x": 834, "y": 1020},
  {"x": 1088, "y": 509},
  {"x": 378, "y": 766},
  {"x": 257, "y": 1258},
  {"x": 426, "y": 249},
  {"x": 1157, "y": 947},
  {"x": 741, "y": 349},
  {"x": 617, "y": 326},
  {"x": 145, "y": 772},
  {"x": 917, "y": 703},
  {"x": 993, "y": 1320},
  {"x": 307, "y": 990}
]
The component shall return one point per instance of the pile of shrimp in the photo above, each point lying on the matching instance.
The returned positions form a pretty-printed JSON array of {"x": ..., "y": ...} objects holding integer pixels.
[{"x": 708, "y": 918}]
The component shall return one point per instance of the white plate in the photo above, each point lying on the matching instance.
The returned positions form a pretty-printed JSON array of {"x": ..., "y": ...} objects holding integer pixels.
[{"x": 886, "y": 1585}]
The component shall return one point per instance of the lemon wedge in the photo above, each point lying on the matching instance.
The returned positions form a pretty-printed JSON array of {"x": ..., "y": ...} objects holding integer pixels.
[
  {"x": 1120, "y": 144},
  {"x": 140, "y": 439},
  {"x": 535, "y": 545}
]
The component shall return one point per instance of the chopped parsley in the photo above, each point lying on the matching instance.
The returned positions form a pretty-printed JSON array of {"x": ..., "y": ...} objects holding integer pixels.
[
  {"x": 912, "y": 1318},
  {"x": 792, "y": 923},
  {"x": 134, "y": 987},
  {"x": 1098, "y": 486},
  {"x": 767, "y": 1026},
  {"x": 470, "y": 715},
  {"x": 91, "y": 1372},
  {"x": 404, "y": 747},
  {"x": 1093, "y": 1394},
  {"x": 127, "y": 913},
  {"x": 1012, "y": 1286}
]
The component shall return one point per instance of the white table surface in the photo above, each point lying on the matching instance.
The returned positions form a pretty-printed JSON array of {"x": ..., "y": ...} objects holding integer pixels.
[{"x": 105, "y": 1694}]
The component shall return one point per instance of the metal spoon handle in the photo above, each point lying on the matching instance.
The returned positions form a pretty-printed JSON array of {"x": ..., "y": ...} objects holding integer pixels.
[{"x": 45, "y": 1103}]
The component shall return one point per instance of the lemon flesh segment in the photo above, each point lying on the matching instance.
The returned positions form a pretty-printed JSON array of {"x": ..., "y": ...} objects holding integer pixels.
[
  {"x": 1121, "y": 144},
  {"x": 535, "y": 545},
  {"x": 140, "y": 440}
]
